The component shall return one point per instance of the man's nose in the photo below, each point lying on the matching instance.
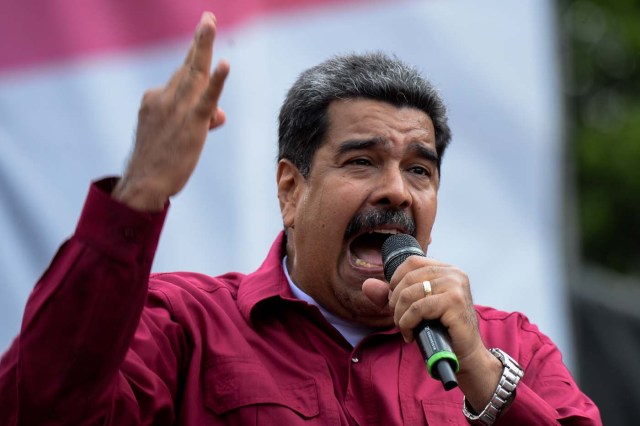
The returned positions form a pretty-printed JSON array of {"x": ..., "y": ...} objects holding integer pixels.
[{"x": 392, "y": 189}]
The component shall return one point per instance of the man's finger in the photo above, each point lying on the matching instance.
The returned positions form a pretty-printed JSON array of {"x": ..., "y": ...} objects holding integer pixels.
[
  {"x": 218, "y": 119},
  {"x": 192, "y": 47},
  {"x": 408, "y": 296},
  {"x": 377, "y": 291},
  {"x": 202, "y": 43},
  {"x": 200, "y": 60},
  {"x": 430, "y": 308},
  {"x": 209, "y": 100}
]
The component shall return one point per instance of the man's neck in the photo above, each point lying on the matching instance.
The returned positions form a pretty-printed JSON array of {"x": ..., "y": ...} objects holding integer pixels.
[{"x": 352, "y": 332}]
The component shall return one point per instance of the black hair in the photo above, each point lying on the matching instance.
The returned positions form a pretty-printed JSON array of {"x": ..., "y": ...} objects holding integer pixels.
[{"x": 377, "y": 76}]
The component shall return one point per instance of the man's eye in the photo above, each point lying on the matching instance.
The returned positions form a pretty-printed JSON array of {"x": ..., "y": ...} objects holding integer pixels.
[
  {"x": 419, "y": 170},
  {"x": 360, "y": 162}
]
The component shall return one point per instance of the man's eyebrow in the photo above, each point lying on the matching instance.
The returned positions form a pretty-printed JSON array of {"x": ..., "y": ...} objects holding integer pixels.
[
  {"x": 425, "y": 152},
  {"x": 359, "y": 144},
  {"x": 420, "y": 149}
]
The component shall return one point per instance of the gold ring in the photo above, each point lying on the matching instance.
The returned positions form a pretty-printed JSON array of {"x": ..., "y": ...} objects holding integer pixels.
[{"x": 426, "y": 286}]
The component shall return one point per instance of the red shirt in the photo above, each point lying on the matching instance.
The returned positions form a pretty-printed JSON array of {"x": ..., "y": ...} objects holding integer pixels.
[{"x": 102, "y": 344}]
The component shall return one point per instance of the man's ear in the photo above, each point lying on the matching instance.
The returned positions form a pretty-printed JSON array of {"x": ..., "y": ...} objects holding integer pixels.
[{"x": 290, "y": 186}]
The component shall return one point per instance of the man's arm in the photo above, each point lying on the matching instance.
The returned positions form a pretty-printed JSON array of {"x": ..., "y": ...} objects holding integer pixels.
[
  {"x": 547, "y": 394},
  {"x": 82, "y": 315},
  {"x": 480, "y": 371}
]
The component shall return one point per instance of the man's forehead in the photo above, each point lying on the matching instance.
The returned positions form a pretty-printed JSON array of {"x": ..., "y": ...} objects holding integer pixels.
[
  {"x": 377, "y": 119},
  {"x": 367, "y": 108}
]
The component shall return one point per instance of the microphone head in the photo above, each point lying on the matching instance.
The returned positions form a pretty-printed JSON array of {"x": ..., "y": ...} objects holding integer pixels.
[{"x": 395, "y": 250}]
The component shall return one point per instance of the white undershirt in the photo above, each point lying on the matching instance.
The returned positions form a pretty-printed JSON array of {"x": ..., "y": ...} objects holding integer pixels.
[{"x": 352, "y": 332}]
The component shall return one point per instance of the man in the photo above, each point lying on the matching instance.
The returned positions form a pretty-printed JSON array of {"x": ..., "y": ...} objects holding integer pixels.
[{"x": 315, "y": 335}]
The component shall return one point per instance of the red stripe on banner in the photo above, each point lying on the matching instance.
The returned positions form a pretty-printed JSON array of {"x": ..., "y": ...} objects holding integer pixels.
[{"x": 33, "y": 33}]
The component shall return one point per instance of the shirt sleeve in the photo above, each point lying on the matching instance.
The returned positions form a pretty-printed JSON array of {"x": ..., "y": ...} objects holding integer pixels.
[
  {"x": 547, "y": 394},
  {"x": 80, "y": 320}
]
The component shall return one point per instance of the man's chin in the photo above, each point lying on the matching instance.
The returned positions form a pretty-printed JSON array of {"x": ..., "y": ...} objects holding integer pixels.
[
  {"x": 376, "y": 320},
  {"x": 363, "y": 311}
]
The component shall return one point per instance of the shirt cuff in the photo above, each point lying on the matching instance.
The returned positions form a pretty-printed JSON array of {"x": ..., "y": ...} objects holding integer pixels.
[
  {"x": 116, "y": 229},
  {"x": 527, "y": 408}
]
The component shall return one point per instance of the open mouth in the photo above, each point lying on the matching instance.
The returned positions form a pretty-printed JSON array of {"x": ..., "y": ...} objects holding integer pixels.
[{"x": 365, "y": 249}]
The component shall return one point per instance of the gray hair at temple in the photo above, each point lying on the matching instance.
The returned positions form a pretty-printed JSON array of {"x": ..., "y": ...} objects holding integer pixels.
[{"x": 377, "y": 76}]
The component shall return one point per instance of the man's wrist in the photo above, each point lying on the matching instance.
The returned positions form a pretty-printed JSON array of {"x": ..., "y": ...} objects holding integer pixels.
[
  {"x": 138, "y": 197},
  {"x": 503, "y": 395}
]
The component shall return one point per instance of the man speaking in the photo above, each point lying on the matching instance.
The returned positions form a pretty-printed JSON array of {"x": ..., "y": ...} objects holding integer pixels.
[{"x": 317, "y": 335}]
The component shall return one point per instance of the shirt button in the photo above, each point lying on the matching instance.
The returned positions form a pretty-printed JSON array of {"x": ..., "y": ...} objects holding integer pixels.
[{"x": 355, "y": 360}]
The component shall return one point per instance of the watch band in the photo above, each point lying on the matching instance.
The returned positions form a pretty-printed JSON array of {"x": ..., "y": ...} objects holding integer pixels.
[{"x": 511, "y": 375}]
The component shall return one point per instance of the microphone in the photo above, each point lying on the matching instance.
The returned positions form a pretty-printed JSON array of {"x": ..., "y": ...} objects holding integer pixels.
[{"x": 431, "y": 336}]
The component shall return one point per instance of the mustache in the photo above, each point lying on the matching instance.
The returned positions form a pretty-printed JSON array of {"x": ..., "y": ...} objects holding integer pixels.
[{"x": 372, "y": 219}]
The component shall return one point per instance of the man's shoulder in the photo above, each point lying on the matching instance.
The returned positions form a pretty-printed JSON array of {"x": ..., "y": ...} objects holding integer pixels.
[
  {"x": 177, "y": 284},
  {"x": 509, "y": 330},
  {"x": 190, "y": 298},
  {"x": 491, "y": 318},
  {"x": 488, "y": 313}
]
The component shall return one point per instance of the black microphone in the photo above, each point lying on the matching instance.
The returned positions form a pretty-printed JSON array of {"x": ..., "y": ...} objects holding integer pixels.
[{"x": 431, "y": 336}]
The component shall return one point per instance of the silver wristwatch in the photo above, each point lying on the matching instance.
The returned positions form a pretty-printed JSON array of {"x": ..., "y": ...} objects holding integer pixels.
[{"x": 511, "y": 375}]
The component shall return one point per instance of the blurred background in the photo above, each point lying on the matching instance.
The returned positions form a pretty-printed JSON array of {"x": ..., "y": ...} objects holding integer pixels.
[
  {"x": 538, "y": 198},
  {"x": 601, "y": 60}
]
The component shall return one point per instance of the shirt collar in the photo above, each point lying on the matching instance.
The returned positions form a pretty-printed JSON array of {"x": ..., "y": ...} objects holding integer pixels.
[
  {"x": 270, "y": 281},
  {"x": 267, "y": 282},
  {"x": 352, "y": 332}
]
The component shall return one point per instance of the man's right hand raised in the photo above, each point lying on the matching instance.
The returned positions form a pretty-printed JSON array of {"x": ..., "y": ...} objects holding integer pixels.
[{"x": 173, "y": 123}]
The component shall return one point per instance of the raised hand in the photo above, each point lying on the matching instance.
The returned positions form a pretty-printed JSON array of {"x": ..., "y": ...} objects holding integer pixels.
[{"x": 173, "y": 123}]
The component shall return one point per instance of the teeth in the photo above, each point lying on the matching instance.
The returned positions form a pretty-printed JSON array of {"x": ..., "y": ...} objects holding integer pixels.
[
  {"x": 361, "y": 262},
  {"x": 384, "y": 231}
]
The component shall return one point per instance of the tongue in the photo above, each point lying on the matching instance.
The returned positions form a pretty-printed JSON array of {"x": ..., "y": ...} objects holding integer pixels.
[
  {"x": 370, "y": 256},
  {"x": 367, "y": 248}
]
